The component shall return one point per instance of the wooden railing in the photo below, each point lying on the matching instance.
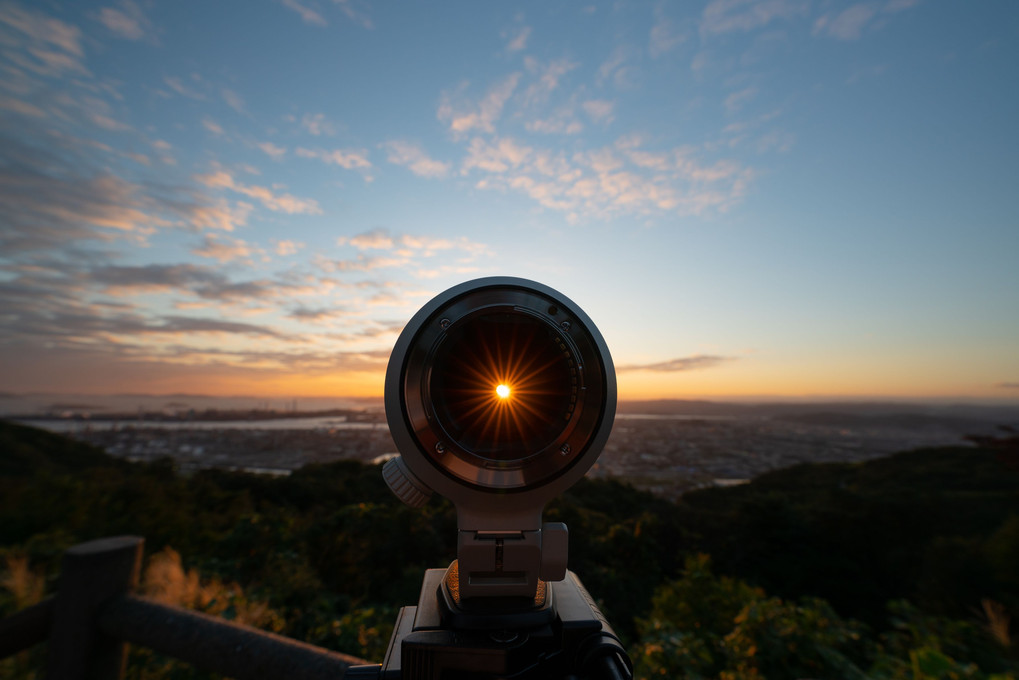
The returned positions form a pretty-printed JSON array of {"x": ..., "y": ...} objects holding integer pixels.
[{"x": 88, "y": 624}]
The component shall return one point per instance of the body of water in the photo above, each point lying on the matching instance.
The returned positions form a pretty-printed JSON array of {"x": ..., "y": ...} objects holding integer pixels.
[{"x": 316, "y": 423}]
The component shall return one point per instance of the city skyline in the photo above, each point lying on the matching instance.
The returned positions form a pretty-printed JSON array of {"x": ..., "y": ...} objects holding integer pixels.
[{"x": 752, "y": 199}]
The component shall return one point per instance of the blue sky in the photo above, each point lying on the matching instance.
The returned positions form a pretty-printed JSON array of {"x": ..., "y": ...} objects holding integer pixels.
[{"x": 774, "y": 198}]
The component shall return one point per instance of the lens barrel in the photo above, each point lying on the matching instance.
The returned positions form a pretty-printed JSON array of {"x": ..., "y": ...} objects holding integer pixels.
[{"x": 500, "y": 384}]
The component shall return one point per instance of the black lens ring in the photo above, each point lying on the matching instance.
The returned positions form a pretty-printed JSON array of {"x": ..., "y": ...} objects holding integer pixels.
[
  {"x": 543, "y": 413},
  {"x": 525, "y": 471}
]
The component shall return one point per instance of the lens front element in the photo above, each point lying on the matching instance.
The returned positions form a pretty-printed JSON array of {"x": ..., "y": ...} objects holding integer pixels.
[{"x": 503, "y": 387}]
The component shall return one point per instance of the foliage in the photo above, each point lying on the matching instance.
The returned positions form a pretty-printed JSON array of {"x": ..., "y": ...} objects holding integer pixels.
[
  {"x": 705, "y": 626},
  {"x": 803, "y": 561}
]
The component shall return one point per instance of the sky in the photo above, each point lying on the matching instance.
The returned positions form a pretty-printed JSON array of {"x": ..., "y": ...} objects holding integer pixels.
[{"x": 752, "y": 199}]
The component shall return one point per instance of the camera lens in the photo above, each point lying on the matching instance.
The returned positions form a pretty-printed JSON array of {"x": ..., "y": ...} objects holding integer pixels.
[{"x": 503, "y": 385}]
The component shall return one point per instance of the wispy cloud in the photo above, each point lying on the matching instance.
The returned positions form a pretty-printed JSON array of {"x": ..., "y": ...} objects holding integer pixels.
[
  {"x": 665, "y": 36},
  {"x": 286, "y": 247},
  {"x": 213, "y": 127},
  {"x": 361, "y": 263},
  {"x": 198, "y": 280},
  {"x": 619, "y": 69},
  {"x": 376, "y": 239},
  {"x": 736, "y": 100},
  {"x": 317, "y": 124},
  {"x": 727, "y": 16},
  {"x": 599, "y": 110},
  {"x": 307, "y": 14},
  {"x": 414, "y": 158},
  {"x": 410, "y": 252},
  {"x": 40, "y": 44},
  {"x": 609, "y": 181},
  {"x": 226, "y": 249},
  {"x": 693, "y": 363},
  {"x": 463, "y": 115},
  {"x": 851, "y": 23},
  {"x": 316, "y": 314},
  {"x": 354, "y": 10},
  {"x": 285, "y": 203},
  {"x": 350, "y": 159},
  {"x": 847, "y": 24},
  {"x": 233, "y": 100},
  {"x": 126, "y": 20},
  {"x": 407, "y": 245},
  {"x": 275, "y": 152},
  {"x": 548, "y": 78},
  {"x": 517, "y": 38},
  {"x": 178, "y": 85}
]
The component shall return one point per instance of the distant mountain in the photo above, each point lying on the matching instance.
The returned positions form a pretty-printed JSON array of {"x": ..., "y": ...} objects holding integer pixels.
[{"x": 909, "y": 414}]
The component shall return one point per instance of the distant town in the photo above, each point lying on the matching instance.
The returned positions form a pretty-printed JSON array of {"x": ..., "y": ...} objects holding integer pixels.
[{"x": 665, "y": 447}]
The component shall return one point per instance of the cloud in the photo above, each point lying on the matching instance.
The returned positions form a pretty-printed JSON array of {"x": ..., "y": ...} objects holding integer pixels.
[
  {"x": 361, "y": 263},
  {"x": 403, "y": 248},
  {"x": 1008, "y": 385},
  {"x": 317, "y": 124},
  {"x": 219, "y": 214},
  {"x": 427, "y": 246},
  {"x": 414, "y": 158},
  {"x": 127, "y": 20},
  {"x": 518, "y": 41},
  {"x": 200, "y": 281},
  {"x": 664, "y": 36},
  {"x": 38, "y": 44},
  {"x": 693, "y": 363},
  {"x": 185, "y": 324},
  {"x": 608, "y": 181},
  {"x": 308, "y": 15},
  {"x": 549, "y": 77},
  {"x": 22, "y": 108},
  {"x": 226, "y": 249},
  {"x": 599, "y": 110},
  {"x": 54, "y": 201},
  {"x": 561, "y": 122},
  {"x": 233, "y": 100},
  {"x": 464, "y": 116},
  {"x": 495, "y": 156},
  {"x": 212, "y": 126},
  {"x": 285, "y": 203},
  {"x": 285, "y": 248},
  {"x": 356, "y": 15},
  {"x": 276, "y": 152},
  {"x": 735, "y": 101},
  {"x": 42, "y": 212},
  {"x": 848, "y": 24},
  {"x": 351, "y": 159},
  {"x": 178, "y": 86},
  {"x": 43, "y": 29},
  {"x": 319, "y": 314},
  {"x": 727, "y": 16}
]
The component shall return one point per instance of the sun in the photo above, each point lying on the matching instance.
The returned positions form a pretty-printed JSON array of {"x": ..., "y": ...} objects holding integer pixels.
[{"x": 502, "y": 390}]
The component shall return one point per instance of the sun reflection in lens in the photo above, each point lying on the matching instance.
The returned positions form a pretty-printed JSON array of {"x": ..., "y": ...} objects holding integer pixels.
[{"x": 503, "y": 386}]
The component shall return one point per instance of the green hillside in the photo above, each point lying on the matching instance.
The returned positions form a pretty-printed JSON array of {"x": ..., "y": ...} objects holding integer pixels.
[{"x": 899, "y": 567}]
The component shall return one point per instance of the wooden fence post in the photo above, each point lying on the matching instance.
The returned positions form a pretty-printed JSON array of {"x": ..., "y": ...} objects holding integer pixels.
[{"x": 92, "y": 573}]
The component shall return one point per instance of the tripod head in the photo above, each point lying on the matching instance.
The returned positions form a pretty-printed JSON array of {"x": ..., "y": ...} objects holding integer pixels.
[{"x": 500, "y": 394}]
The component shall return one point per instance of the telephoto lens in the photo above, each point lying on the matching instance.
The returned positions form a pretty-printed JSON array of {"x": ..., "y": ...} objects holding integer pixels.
[{"x": 500, "y": 394}]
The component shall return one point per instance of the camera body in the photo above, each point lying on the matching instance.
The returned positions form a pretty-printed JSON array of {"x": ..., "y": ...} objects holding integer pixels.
[{"x": 500, "y": 394}]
